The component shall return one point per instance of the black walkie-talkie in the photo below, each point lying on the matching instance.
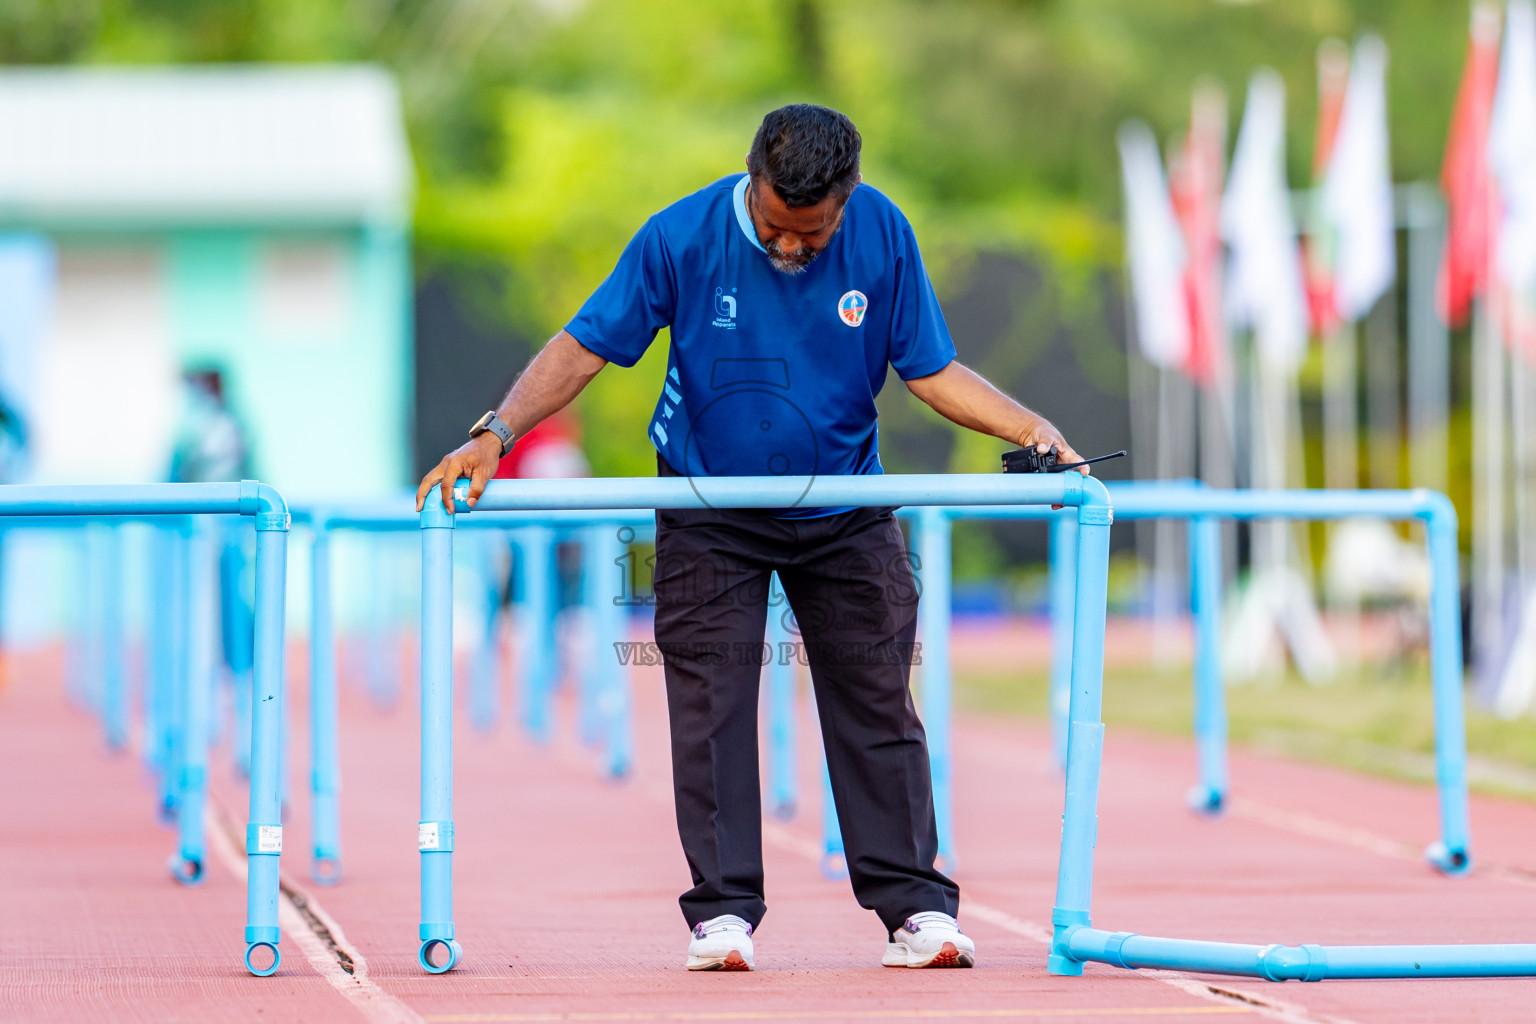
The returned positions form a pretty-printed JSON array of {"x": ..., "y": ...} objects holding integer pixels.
[{"x": 1028, "y": 460}]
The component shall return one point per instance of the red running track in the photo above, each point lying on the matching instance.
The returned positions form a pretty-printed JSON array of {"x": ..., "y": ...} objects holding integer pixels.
[{"x": 567, "y": 885}]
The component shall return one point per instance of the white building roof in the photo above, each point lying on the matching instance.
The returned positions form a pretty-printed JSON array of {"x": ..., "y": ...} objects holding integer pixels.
[{"x": 201, "y": 144}]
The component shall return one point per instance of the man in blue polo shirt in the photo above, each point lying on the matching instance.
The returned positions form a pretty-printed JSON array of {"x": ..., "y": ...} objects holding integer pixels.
[{"x": 788, "y": 291}]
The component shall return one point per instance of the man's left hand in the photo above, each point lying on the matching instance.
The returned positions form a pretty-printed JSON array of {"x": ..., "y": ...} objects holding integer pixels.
[{"x": 1043, "y": 436}]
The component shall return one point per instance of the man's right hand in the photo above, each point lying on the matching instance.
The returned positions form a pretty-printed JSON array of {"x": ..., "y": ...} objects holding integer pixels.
[{"x": 476, "y": 458}]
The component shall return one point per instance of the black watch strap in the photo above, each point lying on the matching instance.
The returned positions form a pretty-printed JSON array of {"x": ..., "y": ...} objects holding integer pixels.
[{"x": 491, "y": 423}]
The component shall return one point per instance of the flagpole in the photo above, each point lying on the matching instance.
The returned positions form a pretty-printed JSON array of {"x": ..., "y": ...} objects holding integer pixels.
[
  {"x": 1518, "y": 685},
  {"x": 1487, "y": 495},
  {"x": 1429, "y": 350},
  {"x": 1142, "y": 380},
  {"x": 1165, "y": 533},
  {"x": 1341, "y": 463}
]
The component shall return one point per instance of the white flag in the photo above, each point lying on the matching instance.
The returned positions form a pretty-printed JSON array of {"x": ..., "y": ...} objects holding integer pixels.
[
  {"x": 1512, "y": 150},
  {"x": 1357, "y": 191},
  {"x": 1154, "y": 249},
  {"x": 1264, "y": 290}
]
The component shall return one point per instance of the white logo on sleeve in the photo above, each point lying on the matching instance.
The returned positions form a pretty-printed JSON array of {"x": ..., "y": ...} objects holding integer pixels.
[{"x": 852, "y": 307}]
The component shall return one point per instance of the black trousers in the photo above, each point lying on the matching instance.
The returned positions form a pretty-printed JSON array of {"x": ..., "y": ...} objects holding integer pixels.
[{"x": 850, "y": 584}]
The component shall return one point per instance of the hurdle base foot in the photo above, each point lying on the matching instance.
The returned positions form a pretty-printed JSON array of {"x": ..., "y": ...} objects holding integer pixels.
[
  {"x": 1063, "y": 966},
  {"x": 270, "y": 969},
  {"x": 187, "y": 870},
  {"x": 449, "y": 946},
  {"x": 1207, "y": 801},
  {"x": 325, "y": 869},
  {"x": 1452, "y": 863}
]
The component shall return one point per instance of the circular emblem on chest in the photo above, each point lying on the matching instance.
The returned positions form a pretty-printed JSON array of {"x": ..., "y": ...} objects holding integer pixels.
[{"x": 852, "y": 307}]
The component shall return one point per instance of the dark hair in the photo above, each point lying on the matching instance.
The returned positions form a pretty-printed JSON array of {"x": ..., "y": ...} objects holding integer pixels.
[{"x": 807, "y": 153}]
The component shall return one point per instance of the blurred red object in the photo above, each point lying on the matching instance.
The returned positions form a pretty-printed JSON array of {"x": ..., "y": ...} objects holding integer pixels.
[
  {"x": 1465, "y": 178},
  {"x": 1195, "y": 184},
  {"x": 550, "y": 450},
  {"x": 1332, "y": 82}
]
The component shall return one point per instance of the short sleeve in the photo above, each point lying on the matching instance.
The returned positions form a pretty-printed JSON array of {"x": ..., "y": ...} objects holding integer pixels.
[
  {"x": 635, "y": 301},
  {"x": 920, "y": 341}
]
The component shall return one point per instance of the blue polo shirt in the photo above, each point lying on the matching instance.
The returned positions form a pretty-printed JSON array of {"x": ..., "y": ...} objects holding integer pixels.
[{"x": 769, "y": 374}]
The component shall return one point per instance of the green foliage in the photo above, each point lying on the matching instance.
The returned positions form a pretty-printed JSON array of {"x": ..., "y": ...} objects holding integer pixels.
[{"x": 546, "y": 131}]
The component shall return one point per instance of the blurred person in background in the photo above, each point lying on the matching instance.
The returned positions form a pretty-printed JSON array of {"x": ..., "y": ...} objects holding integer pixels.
[
  {"x": 789, "y": 291},
  {"x": 211, "y": 447},
  {"x": 210, "y": 443},
  {"x": 13, "y": 442}
]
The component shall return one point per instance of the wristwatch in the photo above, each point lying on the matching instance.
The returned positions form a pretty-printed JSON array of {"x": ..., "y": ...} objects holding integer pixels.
[{"x": 492, "y": 423}]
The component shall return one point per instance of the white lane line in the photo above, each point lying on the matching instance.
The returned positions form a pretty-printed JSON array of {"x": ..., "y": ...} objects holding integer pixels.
[
  {"x": 1289, "y": 1013},
  {"x": 1313, "y": 827},
  {"x": 802, "y": 846},
  {"x": 375, "y": 1004}
]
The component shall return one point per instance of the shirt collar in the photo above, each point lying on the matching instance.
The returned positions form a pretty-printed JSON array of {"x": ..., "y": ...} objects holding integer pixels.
[{"x": 743, "y": 218}]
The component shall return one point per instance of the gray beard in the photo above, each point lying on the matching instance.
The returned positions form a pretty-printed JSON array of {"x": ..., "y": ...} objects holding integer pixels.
[{"x": 783, "y": 264}]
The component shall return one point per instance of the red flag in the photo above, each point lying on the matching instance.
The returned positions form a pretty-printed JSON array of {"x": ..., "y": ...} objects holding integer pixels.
[
  {"x": 1332, "y": 83},
  {"x": 1464, "y": 178},
  {"x": 1195, "y": 184}
]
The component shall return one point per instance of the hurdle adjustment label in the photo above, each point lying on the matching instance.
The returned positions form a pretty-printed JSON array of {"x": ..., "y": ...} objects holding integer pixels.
[
  {"x": 426, "y": 836},
  {"x": 269, "y": 839}
]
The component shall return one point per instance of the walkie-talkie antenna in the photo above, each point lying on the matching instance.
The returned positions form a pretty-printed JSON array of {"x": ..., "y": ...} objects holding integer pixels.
[{"x": 1059, "y": 467}]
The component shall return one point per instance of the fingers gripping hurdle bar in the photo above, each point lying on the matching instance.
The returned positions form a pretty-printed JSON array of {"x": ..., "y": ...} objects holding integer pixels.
[
  {"x": 264, "y": 832},
  {"x": 435, "y": 833}
]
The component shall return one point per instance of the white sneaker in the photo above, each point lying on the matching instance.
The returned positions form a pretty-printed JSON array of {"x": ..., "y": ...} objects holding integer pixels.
[
  {"x": 930, "y": 939},
  {"x": 722, "y": 943}
]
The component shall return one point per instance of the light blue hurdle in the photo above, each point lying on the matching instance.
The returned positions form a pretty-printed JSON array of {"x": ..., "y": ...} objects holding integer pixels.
[
  {"x": 1075, "y": 940},
  {"x": 1171, "y": 500},
  {"x": 1204, "y": 508},
  {"x": 177, "y": 708},
  {"x": 535, "y": 532},
  {"x": 440, "y": 950},
  {"x": 264, "y": 832},
  {"x": 783, "y": 778},
  {"x": 195, "y": 702}
]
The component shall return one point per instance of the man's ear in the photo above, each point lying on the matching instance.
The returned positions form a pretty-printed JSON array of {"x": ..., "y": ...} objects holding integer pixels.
[{"x": 748, "y": 161}]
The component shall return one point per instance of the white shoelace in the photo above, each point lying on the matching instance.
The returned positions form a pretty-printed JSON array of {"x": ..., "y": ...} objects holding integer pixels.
[
  {"x": 915, "y": 923},
  {"x": 720, "y": 924}
]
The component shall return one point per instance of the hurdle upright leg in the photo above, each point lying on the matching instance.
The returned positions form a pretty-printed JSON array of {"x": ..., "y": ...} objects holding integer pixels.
[
  {"x": 1063, "y": 590},
  {"x": 589, "y": 684},
  {"x": 834, "y": 857},
  {"x": 114, "y": 712},
  {"x": 485, "y": 673},
  {"x": 781, "y": 707},
  {"x": 170, "y": 600},
  {"x": 324, "y": 719},
  {"x": 935, "y": 619},
  {"x": 236, "y": 631},
  {"x": 1085, "y": 737},
  {"x": 434, "y": 835},
  {"x": 533, "y": 571},
  {"x": 197, "y": 708},
  {"x": 612, "y": 678},
  {"x": 264, "y": 829},
  {"x": 1452, "y": 853},
  {"x": 1209, "y": 796}
]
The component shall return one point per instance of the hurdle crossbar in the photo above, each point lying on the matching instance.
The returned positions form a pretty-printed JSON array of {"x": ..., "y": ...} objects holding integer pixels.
[
  {"x": 264, "y": 830},
  {"x": 435, "y": 827}
]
